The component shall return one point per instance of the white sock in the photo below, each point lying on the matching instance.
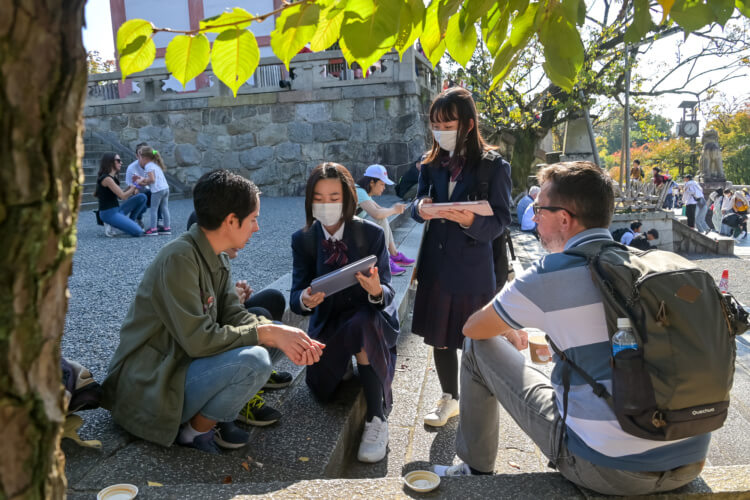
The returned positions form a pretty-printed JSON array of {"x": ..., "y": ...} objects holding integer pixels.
[{"x": 188, "y": 434}]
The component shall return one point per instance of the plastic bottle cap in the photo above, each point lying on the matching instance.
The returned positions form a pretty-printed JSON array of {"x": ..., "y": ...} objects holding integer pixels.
[
  {"x": 725, "y": 274},
  {"x": 623, "y": 322}
]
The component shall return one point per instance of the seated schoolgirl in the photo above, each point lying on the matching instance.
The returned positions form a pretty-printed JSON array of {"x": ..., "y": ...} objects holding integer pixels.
[
  {"x": 361, "y": 320},
  {"x": 373, "y": 184},
  {"x": 108, "y": 191}
]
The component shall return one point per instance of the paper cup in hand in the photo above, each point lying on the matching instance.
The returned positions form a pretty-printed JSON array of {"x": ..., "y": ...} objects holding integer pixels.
[{"x": 539, "y": 350}]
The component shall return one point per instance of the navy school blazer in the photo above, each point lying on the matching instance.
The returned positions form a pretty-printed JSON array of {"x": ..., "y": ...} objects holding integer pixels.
[
  {"x": 305, "y": 269},
  {"x": 459, "y": 259}
]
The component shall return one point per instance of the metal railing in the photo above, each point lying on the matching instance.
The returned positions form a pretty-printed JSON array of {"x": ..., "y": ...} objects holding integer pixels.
[{"x": 310, "y": 71}]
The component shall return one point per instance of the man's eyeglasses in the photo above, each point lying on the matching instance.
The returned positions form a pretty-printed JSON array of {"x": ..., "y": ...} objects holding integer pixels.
[{"x": 538, "y": 208}]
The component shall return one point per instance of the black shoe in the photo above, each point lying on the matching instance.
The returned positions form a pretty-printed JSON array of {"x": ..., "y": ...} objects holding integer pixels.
[
  {"x": 228, "y": 435},
  {"x": 257, "y": 412},
  {"x": 278, "y": 380},
  {"x": 204, "y": 442}
]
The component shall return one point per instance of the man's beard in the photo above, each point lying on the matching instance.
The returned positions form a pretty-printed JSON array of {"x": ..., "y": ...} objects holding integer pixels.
[{"x": 552, "y": 243}]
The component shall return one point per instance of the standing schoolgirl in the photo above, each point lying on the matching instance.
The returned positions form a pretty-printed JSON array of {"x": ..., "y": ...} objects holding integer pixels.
[
  {"x": 151, "y": 161},
  {"x": 361, "y": 320},
  {"x": 455, "y": 271}
]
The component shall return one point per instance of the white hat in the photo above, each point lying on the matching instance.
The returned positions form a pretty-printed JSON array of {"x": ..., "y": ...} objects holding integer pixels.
[{"x": 378, "y": 172}]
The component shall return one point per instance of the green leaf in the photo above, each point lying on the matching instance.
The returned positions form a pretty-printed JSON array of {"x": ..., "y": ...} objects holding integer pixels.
[
  {"x": 234, "y": 57},
  {"x": 130, "y": 30},
  {"x": 187, "y": 56},
  {"x": 495, "y": 28},
  {"x": 743, "y": 6},
  {"x": 641, "y": 24},
  {"x": 410, "y": 25},
  {"x": 581, "y": 13},
  {"x": 294, "y": 28},
  {"x": 328, "y": 31},
  {"x": 473, "y": 10},
  {"x": 691, "y": 15},
  {"x": 431, "y": 36},
  {"x": 523, "y": 25},
  {"x": 563, "y": 49},
  {"x": 722, "y": 9},
  {"x": 446, "y": 8},
  {"x": 368, "y": 38},
  {"x": 436, "y": 54},
  {"x": 137, "y": 56},
  {"x": 460, "y": 45},
  {"x": 217, "y": 24}
]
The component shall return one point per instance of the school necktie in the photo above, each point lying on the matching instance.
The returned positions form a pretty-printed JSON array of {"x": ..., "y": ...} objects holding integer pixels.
[{"x": 336, "y": 252}]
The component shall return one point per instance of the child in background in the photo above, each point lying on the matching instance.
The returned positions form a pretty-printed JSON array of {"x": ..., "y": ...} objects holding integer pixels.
[{"x": 152, "y": 163}]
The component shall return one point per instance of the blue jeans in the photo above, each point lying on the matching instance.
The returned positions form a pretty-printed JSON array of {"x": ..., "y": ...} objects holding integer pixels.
[
  {"x": 218, "y": 386},
  {"x": 160, "y": 206},
  {"x": 124, "y": 216}
]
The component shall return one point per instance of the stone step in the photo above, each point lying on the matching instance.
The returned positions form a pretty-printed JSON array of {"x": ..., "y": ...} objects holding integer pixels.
[{"x": 722, "y": 482}]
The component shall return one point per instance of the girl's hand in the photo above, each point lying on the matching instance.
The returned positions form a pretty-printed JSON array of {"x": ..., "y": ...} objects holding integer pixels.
[
  {"x": 370, "y": 283},
  {"x": 243, "y": 290},
  {"x": 419, "y": 209},
  {"x": 312, "y": 300},
  {"x": 519, "y": 339},
  {"x": 398, "y": 208},
  {"x": 462, "y": 217}
]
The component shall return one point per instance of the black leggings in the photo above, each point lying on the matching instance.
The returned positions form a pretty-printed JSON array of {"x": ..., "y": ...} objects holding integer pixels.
[
  {"x": 268, "y": 302},
  {"x": 446, "y": 366}
]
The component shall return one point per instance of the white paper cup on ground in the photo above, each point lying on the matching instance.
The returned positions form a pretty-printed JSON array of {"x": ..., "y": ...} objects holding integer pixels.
[
  {"x": 118, "y": 492},
  {"x": 422, "y": 480}
]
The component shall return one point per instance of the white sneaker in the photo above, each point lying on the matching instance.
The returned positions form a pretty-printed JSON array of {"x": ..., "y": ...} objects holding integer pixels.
[
  {"x": 374, "y": 441},
  {"x": 457, "y": 470},
  {"x": 109, "y": 231},
  {"x": 446, "y": 408}
]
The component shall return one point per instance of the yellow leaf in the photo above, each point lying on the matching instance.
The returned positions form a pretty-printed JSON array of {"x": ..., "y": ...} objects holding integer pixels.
[
  {"x": 245, "y": 466},
  {"x": 304, "y": 459},
  {"x": 666, "y": 5},
  {"x": 154, "y": 484},
  {"x": 70, "y": 431},
  {"x": 234, "y": 57}
]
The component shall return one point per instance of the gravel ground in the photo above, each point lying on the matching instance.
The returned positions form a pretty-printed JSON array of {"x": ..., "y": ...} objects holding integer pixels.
[
  {"x": 106, "y": 273},
  {"x": 739, "y": 272}
]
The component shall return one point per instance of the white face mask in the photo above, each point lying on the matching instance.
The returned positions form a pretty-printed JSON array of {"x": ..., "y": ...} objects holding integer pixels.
[
  {"x": 327, "y": 213},
  {"x": 446, "y": 139}
]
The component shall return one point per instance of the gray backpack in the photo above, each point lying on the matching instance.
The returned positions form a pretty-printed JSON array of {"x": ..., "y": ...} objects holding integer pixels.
[{"x": 677, "y": 383}]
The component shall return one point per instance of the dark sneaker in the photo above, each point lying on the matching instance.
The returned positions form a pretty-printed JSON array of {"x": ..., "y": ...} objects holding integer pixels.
[
  {"x": 257, "y": 412},
  {"x": 278, "y": 380},
  {"x": 205, "y": 442},
  {"x": 228, "y": 435},
  {"x": 164, "y": 230}
]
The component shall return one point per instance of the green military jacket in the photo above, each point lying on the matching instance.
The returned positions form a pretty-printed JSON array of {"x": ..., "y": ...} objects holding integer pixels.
[{"x": 185, "y": 308}]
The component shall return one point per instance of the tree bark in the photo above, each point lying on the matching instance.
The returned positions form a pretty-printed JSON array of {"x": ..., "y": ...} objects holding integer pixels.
[
  {"x": 42, "y": 91},
  {"x": 524, "y": 151}
]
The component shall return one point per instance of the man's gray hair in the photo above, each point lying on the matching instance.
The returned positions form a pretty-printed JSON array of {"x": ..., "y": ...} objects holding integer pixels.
[{"x": 534, "y": 190}]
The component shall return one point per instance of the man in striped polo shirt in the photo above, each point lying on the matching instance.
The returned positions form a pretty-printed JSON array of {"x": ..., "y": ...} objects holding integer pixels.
[{"x": 557, "y": 295}]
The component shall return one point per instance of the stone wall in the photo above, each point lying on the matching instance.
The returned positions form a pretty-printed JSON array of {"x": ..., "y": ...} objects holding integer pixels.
[{"x": 276, "y": 138}]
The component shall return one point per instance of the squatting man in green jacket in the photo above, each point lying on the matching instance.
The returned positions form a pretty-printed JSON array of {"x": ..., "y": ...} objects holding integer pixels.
[{"x": 190, "y": 355}]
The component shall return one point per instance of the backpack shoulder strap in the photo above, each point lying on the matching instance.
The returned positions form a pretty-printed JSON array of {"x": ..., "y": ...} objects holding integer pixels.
[{"x": 484, "y": 173}]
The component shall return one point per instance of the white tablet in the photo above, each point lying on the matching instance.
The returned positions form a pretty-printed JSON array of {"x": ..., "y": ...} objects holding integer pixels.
[{"x": 337, "y": 280}]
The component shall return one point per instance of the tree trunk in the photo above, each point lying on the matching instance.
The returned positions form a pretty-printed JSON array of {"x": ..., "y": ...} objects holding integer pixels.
[
  {"x": 42, "y": 91},
  {"x": 522, "y": 161}
]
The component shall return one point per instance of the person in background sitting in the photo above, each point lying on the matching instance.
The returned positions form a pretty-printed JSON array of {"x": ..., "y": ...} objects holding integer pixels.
[
  {"x": 642, "y": 241},
  {"x": 635, "y": 230},
  {"x": 108, "y": 191},
  {"x": 373, "y": 184},
  {"x": 524, "y": 203}
]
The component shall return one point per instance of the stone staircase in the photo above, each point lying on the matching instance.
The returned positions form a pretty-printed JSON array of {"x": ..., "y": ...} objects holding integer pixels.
[{"x": 311, "y": 452}]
